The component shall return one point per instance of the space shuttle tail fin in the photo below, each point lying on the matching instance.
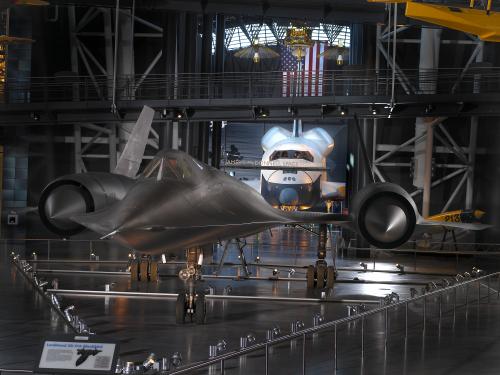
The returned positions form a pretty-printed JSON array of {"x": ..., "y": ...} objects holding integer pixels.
[
  {"x": 131, "y": 157},
  {"x": 297, "y": 128}
]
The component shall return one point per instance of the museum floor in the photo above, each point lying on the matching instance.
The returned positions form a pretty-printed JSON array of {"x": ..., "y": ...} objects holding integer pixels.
[{"x": 464, "y": 340}]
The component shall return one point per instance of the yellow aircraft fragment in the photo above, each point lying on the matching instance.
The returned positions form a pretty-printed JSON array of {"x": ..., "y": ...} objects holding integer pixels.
[
  {"x": 485, "y": 24},
  {"x": 4, "y": 39}
]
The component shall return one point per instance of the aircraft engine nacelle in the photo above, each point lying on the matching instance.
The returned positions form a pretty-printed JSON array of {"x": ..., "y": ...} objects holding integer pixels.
[
  {"x": 78, "y": 194},
  {"x": 384, "y": 214}
]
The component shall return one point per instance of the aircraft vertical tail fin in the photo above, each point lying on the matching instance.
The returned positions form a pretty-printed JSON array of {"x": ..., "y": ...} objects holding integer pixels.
[{"x": 131, "y": 157}]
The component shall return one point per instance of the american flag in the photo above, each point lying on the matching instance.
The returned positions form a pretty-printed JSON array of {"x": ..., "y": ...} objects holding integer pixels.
[{"x": 309, "y": 82}]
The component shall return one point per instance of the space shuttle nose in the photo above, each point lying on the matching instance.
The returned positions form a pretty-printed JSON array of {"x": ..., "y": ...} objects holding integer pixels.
[{"x": 289, "y": 196}]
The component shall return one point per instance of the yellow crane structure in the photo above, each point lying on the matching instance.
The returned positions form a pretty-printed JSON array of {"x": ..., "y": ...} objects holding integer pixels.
[{"x": 485, "y": 23}]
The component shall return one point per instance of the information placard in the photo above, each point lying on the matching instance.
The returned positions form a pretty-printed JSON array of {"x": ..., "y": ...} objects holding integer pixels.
[{"x": 80, "y": 354}]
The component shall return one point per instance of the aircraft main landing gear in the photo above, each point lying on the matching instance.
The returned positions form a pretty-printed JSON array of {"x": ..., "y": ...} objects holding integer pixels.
[
  {"x": 191, "y": 304},
  {"x": 321, "y": 275}
]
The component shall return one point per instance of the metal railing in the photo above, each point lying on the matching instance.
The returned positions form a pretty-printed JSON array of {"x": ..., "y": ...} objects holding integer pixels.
[
  {"x": 220, "y": 361},
  {"x": 59, "y": 249},
  {"x": 234, "y": 85},
  {"x": 106, "y": 251}
]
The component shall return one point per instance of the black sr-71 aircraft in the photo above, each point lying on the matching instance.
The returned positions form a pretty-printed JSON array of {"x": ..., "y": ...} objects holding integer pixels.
[{"x": 179, "y": 203}]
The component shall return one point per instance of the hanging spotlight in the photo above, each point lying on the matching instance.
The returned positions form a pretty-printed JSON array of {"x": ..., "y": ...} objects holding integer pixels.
[
  {"x": 178, "y": 114},
  {"x": 340, "y": 59},
  {"x": 343, "y": 111},
  {"x": 429, "y": 108},
  {"x": 256, "y": 57},
  {"x": 260, "y": 112},
  {"x": 189, "y": 112},
  {"x": 326, "y": 109},
  {"x": 35, "y": 116},
  {"x": 164, "y": 113},
  {"x": 373, "y": 109}
]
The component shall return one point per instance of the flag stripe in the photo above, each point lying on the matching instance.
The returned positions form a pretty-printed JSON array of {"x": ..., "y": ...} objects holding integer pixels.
[{"x": 309, "y": 80}]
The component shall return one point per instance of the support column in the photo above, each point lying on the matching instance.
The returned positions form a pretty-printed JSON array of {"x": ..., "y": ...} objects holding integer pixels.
[
  {"x": 169, "y": 49},
  {"x": 125, "y": 68},
  {"x": 474, "y": 122},
  {"x": 219, "y": 68},
  {"x": 73, "y": 49},
  {"x": 112, "y": 148},
  {"x": 206, "y": 67},
  {"x": 189, "y": 49},
  {"x": 77, "y": 134},
  {"x": 108, "y": 48},
  {"x": 430, "y": 41},
  {"x": 429, "y": 139}
]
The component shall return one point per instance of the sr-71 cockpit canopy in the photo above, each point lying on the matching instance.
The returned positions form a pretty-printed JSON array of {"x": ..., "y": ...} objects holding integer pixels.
[{"x": 173, "y": 165}]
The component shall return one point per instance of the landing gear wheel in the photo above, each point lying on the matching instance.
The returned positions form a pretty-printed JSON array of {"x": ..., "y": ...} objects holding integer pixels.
[
  {"x": 320, "y": 278},
  {"x": 330, "y": 276},
  {"x": 200, "y": 309},
  {"x": 310, "y": 277},
  {"x": 180, "y": 309}
]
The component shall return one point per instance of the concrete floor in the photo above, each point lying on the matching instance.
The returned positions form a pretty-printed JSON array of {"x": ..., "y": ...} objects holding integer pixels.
[{"x": 459, "y": 344}]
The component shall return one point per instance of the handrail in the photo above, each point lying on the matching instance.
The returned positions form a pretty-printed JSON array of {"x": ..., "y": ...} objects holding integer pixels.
[
  {"x": 301, "y": 334},
  {"x": 98, "y": 240},
  {"x": 230, "y": 85}
]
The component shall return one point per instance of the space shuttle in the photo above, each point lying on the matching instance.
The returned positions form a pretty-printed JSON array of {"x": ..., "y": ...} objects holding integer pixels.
[{"x": 300, "y": 178}]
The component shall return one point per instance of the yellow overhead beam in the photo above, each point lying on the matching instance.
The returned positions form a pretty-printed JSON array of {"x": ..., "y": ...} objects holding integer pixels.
[
  {"x": 483, "y": 23},
  {"x": 389, "y": 1},
  {"x": 4, "y": 39},
  {"x": 473, "y": 21},
  {"x": 31, "y": 2}
]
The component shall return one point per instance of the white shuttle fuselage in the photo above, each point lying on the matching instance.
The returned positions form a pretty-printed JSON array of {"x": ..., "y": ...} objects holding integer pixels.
[{"x": 295, "y": 188}]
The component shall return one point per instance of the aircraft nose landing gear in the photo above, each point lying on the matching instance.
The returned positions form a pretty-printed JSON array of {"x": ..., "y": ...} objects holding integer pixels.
[{"x": 191, "y": 304}]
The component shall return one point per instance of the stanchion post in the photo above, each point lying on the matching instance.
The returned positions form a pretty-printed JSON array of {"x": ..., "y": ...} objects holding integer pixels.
[
  {"x": 303, "y": 354},
  {"x": 386, "y": 326},
  {"x": 478, "y": 292},
  {"x": 498, "y": 286},
  {"x": 406, "y": 321},
  {"x": 335, "y": 348},
  {"x": 267, "y": 359},
  {"x": 466, "y": 295},
  {"x": 424, "y": 314},
  {"x": 362, "y": 340},
  {"x": 440, "y": 307}
]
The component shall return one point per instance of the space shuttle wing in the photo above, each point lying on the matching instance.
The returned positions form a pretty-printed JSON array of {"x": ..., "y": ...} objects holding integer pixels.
[{"x": 333, "y": 190}]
